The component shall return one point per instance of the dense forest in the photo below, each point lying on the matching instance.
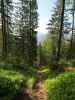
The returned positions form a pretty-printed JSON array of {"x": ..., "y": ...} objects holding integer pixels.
[
  {"x": 19, "y": 21},
  {"x": 37, "y": 71}
]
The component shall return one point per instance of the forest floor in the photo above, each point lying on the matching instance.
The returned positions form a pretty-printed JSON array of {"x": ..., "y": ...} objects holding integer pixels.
[
  {"x": 11, "y": 77},
  {"x": 39, "y": 91},
  {"x": 36, "y": 80}
]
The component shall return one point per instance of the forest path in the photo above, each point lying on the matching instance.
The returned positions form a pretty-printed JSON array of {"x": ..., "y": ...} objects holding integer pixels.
[{"x": 39, "y": 91}]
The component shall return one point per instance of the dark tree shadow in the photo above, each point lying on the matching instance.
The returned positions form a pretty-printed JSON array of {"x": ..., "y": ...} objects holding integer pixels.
[{"x": 23, "y": 93}]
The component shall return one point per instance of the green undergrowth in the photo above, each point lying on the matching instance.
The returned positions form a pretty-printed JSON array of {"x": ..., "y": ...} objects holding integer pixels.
[
  {"x": 61, "y": 87},
  {"x": 9, "y": 83},
  {"x": 11, "y": 78},
  {"x": 48, "y": 73}
]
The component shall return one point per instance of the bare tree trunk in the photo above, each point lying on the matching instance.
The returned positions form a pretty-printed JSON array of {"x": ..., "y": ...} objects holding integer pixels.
[
  {"x": 60, "y": 31},
  {"x": 30, "y": 35},
  {"x": 3, "y": 30},
  {"x": 71, "y": 43}
]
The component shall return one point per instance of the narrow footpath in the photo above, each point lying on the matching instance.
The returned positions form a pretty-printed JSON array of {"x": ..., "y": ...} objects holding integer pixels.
[{"x": 39, "y": 92}]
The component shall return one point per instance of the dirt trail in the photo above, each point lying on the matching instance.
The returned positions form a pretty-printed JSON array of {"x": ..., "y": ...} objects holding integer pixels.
[{"x": 39, "y": 89}]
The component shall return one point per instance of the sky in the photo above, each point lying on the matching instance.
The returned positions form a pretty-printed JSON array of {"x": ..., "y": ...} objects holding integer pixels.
[{"x": 44, "y": 10}]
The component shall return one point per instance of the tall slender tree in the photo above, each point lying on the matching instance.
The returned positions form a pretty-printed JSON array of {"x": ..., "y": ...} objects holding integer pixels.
[
  {"x": 73, "y": 27},
  {"x": 61, "y": 30},
  {"x": 3, "y": 28},
  {"x": 56, "y": 25},
  {"x": 27, "y": 24},
  {"x": 6, "y": 20}
]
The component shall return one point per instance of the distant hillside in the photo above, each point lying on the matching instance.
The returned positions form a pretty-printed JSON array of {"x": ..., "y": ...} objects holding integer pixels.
[{"x": 41, "y": 37}]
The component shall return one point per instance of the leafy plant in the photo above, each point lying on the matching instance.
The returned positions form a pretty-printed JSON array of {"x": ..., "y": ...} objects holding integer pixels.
[{"x": 61, "y": 87}]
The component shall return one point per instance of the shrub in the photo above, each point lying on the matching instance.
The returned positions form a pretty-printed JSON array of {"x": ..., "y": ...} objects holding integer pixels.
[
  {"x": 7, "y": 87},
  {"x": 62, "y": 87},
  {"x": 9, "y": 83},
  {"x": 63, "y": 63},
  {"x": 72, "y": 62}
]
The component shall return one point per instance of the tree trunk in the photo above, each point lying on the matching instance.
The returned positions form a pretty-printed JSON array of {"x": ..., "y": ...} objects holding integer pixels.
[
  {"x": 71, "y": 43},
  {"x": 60, "y": 31},
  {"x": 3, "y": 30}
]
